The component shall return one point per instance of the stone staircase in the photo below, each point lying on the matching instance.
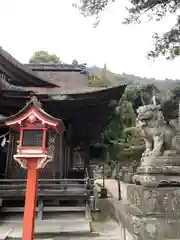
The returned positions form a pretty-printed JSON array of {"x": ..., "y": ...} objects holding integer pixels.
[
  {"x": 56, "y": 219},
  {"x": 102, "y": 237},
  {"x": 82, "y": 233},
  {"x": 108, "y": 230},
  {"x": 59, "y": 222},
  {"x": 71, "y": 226}
]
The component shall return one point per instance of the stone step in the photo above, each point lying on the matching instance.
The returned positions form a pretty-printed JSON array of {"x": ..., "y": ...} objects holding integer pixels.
[
  {"x": 62, "y": 229},
  {"x": 47, "y": 229},
  {"x": 89, "y": 237},
  {"x": 82, "y": 238}
]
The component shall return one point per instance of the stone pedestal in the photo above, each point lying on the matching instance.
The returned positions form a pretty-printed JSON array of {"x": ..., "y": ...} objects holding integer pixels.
[
  {"x": 154, "y": 203},
  {"x": 154, "y": 210},
  {"x": 158, "y": 171},
  {"x": 154, "y": 213}
]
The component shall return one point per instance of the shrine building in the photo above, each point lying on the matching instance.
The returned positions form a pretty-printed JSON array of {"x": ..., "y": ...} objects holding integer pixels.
[{"x": 62, "y": 91}]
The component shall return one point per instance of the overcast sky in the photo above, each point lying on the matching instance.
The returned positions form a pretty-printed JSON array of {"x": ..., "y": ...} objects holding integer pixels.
[{"x": 54, "y": 25}]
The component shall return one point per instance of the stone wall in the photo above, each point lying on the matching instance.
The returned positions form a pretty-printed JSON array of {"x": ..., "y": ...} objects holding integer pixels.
[
  {"x": 147, "y": 213},
  {"x": 111, "y": 208}
]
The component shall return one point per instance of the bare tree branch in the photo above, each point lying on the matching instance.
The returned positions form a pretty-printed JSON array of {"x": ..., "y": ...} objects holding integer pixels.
[{"x": 167, "y": 44}]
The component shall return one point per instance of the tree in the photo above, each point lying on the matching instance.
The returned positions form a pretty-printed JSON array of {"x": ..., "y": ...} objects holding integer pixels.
[
  {"x": 142, "y": 94},
  {"x": 167, "y": 44},
  {"x": 102, "y": 80},
  {"x": 44, "y": 57},
  {"x": 75, "y": 62},
  {"x": 123, "y": 144}
]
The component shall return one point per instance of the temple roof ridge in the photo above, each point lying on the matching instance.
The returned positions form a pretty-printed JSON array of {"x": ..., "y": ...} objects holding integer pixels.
[{"x": 57, "y": 67}]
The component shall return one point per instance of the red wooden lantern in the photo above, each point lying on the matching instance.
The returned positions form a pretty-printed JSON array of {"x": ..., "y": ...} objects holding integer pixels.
[
  {"x": 32, "y": 152},
  {"x": 34, "y": 126}
]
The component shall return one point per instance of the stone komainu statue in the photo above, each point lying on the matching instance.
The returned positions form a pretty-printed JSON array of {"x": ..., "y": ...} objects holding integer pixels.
[
  {"x": 160, "y": 138},
  {"x": 160, "y": 163}
]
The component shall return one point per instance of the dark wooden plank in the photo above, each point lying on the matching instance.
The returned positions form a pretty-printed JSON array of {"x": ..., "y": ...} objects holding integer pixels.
[
  {"x": 46, "y": 180},
  {"x": 42, "y": 186},
  {"x": 60, "y": 194},
  {"x": 46, "y": 209}
]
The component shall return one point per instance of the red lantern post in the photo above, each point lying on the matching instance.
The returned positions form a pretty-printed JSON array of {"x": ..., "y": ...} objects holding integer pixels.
[{"x": 33, "y": 124}]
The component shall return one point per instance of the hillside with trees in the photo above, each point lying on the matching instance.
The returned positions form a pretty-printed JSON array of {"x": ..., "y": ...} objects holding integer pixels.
[
  {"x": 102, "y": 77},
  {"x": 126, "y": 78}
]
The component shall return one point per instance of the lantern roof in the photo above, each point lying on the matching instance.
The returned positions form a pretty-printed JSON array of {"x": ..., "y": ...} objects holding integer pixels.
[{"x": 33, "y": 110}]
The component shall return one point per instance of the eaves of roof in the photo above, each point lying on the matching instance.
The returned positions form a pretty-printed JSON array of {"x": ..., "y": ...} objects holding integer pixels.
[{"x": 19, "y": 74}]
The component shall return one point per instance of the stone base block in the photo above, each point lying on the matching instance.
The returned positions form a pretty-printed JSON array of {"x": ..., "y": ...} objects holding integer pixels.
[
  {"x": 159, "y": 201},
  {"x": 173, "y": 170},
  {"x": 156, "y": 180},
  {"x": 138, "y": 225},
  {"x": 163, "y": 160},
  {"x": 144, "y": 227}
]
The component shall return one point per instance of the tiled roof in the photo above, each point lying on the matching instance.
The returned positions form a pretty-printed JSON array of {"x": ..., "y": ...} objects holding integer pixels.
[
  {"x": 65, "y": 76},
  {"x": 18, "y": 74}
]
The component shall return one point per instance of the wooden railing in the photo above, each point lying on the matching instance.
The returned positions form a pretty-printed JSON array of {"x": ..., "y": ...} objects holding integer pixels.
[{"x": 47, "y": 187}]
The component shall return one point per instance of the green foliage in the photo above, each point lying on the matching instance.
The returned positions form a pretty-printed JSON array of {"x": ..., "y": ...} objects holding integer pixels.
[
  {"x": 136, "y": 81},
  {"x": 166, "y": 44},
  {"x": 100, "y": 80},
  {"x": 119, "y": 135},
  {"x": 44, "y": 57},
  {"x": 75, "y": 62},
  {"x": 143, "y": 92},
  {"x": 89, "y": 8},
  {"x": 123, "y": 143}
]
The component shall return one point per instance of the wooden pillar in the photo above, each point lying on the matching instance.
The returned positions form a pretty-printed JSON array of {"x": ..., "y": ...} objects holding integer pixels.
[
  {"x": 87, "y": 157},
  {"x": 61, "y": 155},
  {"x": 67, "y": 160},
  {"x": 64, "y": 160},
  {"x": 10, "y": 153},
  {"x": 56, "y": 165},
  {"x": 71, "y": 156},
  {"x": 65, "y": 167},
  {"x": 30, "y": 200}
]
